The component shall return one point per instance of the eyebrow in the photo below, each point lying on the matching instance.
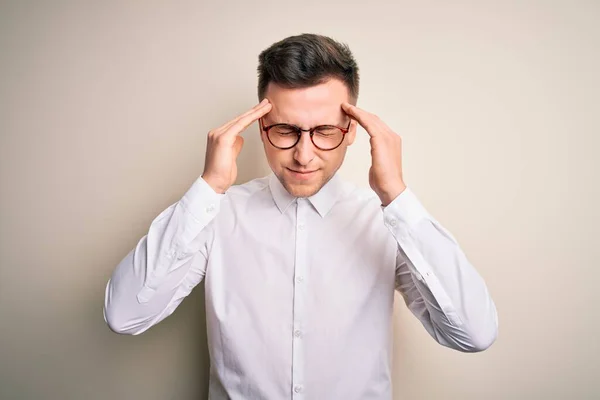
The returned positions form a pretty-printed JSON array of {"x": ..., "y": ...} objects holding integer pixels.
[{"x": 342, "y": 124}]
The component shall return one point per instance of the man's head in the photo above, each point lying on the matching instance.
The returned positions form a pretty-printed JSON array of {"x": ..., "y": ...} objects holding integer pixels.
[{"x": 306, "y": 79}]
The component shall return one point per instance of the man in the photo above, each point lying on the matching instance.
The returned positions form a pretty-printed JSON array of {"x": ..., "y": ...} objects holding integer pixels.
[{"x": 300, "y": 267}]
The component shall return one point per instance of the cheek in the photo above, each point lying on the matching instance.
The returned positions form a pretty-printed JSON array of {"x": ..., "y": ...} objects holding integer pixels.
[
  {"x": 275, "y": 158},
  {"x": 336, "y": 157}
]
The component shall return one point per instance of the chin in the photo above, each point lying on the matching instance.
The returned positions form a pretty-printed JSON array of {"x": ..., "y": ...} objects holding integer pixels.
[{"x": 303, "y": 188}]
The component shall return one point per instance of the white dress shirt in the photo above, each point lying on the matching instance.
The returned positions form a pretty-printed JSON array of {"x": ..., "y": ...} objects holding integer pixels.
[{"x": 299, "y": 291}]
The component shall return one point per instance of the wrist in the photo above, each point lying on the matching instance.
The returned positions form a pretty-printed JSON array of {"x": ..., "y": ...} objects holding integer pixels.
[
  {"x": 213, "y": 183},
  {"x": 389, "y": 196}
]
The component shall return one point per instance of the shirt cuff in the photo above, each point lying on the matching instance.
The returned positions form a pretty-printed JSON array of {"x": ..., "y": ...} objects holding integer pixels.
[
  {"x": 202, "y": 203},
  {"x": 403, "y": 213}
]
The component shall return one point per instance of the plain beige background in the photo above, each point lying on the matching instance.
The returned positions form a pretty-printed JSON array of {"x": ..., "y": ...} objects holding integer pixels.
[{"x": 104, "y": 110}]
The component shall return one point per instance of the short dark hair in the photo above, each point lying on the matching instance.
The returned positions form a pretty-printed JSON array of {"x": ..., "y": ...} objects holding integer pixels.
[{"x": 307, "y": 60}]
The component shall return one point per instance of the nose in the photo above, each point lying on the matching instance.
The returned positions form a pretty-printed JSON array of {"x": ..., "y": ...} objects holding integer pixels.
[{"x": 304, "y": 151}]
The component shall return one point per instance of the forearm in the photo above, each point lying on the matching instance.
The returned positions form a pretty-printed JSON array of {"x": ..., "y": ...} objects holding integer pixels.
[
  {"x": 438, "y": 282},
  {"x": 133, "y": 304},
  {"x": 150, "y": 282}
]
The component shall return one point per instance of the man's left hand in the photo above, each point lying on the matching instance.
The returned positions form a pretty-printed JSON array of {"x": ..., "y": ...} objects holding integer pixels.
[{"x": 385, "y": 175}]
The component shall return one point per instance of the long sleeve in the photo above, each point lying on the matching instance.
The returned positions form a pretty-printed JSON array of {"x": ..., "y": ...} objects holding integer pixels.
[
  {"x": 165, "y": 265},
  {"x": 438, "y": 283}
]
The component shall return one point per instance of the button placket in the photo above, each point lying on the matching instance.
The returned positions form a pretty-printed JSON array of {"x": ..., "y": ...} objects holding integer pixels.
[{"x": 300, "y": 271}]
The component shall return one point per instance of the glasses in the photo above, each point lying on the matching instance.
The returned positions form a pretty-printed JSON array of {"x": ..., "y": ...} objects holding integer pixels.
[{"x": 286, "y": 136}]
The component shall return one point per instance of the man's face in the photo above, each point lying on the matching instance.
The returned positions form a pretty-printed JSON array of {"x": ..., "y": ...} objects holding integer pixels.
[{"x": 307, "y": 108}]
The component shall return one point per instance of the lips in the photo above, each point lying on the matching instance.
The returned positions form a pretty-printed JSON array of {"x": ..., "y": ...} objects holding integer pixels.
[{"x": 302, "y": 175}]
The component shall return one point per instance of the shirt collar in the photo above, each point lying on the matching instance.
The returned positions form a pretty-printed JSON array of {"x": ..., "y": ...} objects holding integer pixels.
[{"x": 322, "y": 201}]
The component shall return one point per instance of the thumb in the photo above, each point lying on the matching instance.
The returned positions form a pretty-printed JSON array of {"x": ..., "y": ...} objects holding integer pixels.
[{"x": 237, "y": 146}]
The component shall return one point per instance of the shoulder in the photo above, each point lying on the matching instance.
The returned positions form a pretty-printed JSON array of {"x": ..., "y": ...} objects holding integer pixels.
[
  {"x": 248, "y": 189},
  {"x": 359, "y": 196}
]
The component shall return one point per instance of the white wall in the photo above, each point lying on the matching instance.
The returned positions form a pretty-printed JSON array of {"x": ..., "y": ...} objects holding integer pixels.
[{"x": 104, "y": 109}]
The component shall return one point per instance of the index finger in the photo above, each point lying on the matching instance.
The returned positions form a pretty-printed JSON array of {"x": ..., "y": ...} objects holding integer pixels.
[
  {"x": 364, "y": 118},
  {"x": 245, "y": 120},
  {"x": 260, "y": 105}
]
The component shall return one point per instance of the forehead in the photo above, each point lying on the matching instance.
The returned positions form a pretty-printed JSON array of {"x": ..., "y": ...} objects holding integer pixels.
[{"x": 306, "y": 107}]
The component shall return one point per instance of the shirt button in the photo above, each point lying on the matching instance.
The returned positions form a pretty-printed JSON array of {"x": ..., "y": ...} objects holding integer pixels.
[
  {"x": 297, "y": 333},
  {"x": 299, "y": 279},
  {"x": 393, "y": 222},
  {"x": 210, "y": 208},
  {"x": 297, "y": 388},
  {"x": 301, "y": 227}
]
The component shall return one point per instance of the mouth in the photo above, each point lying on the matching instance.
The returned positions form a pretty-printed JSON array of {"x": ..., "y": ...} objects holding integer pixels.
[{"x": 302, "y": 175}]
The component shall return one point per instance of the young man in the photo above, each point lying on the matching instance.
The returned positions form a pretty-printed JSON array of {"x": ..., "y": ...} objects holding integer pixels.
[{"x": 300, "y": 267}]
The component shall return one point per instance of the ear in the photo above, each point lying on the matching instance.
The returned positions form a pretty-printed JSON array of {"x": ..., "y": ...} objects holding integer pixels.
[{"x": 351, "y": 135}]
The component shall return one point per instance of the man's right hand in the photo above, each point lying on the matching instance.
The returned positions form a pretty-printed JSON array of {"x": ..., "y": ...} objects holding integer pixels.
[{"x": 224, "y": 146}]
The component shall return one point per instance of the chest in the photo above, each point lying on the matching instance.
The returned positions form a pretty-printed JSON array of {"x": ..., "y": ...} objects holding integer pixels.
[{"x": 268, "y": 256}]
